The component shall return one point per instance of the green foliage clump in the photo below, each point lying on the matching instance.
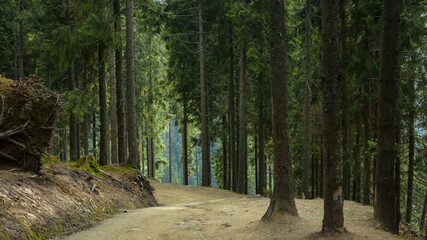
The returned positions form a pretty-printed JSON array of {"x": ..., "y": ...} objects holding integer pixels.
[
  {"x": 48, "y": 159},
  {"x": 87, "y": 163}
]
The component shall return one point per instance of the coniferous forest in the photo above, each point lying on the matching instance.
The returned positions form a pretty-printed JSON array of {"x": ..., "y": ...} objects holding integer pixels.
[{"x": 285, "y": 99}]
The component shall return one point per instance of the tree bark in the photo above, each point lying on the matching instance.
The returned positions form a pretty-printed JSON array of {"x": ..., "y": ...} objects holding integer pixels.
[
  {"x": 237, "y": 130},
  {"x": 366, "y": 136},
  {"x": 153, "y": 157},
  {"x": 103, "y": 145},
  {"x": 397, "y": 170},
  {"x": 206, "y": 165},
  {"x": 76, "y": 82},
  {"x": 86, "y": 115},
  {"x": 321, "y": 169},
  {"x": 185, "y": 148},
  {"x": 63, "y": 144},
  {"x": 282, "y": 199},
  {"x": 131, "y": 87},
  {"x": 411, "y": 146},
  {"x": 333, "y": 218},
  {"x": 307, "y": 103},
  {"x": 261, "y": 153},
  {"x": 121, "y": 138},
  {"x": 423, "y": 215},
  {"x": 385, "y": 192},
  {"x": 20, "y": 44},
  {"x": 226, "y": 179},
  {"x": 73, "y": 120},
  {"x": 345, "y": 94},
  {"x": 142, "y": 150},
  {"x": 256, "y": 163},
  {"x": 313, "y": 177},
  {"x": 170, "y": 151},
  {"x": 149, "y": 159},
  {"x": 231, "y": 103},
  {"x": 113, "y": 108},
  {"x": 150, "y": 114},
  {"x": 197, "y": 163},
  {"x": 270, "y": 177},
  {"x": 241, "y": 168},
  {"x": 356, "y": 168},
  {"x": 94, "y": 132}
]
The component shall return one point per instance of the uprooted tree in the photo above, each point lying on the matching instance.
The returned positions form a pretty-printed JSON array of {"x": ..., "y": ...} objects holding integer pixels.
[{"x": 27, "y": 117}]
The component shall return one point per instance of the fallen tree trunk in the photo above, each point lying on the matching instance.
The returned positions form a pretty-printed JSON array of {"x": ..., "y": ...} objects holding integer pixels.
[{"x": 27, "y": 117}]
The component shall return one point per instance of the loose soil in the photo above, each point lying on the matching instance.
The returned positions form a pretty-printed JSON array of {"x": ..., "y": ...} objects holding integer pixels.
[
  {"x": 61, "y": 199},
  {"x": 187, "y": 212}
]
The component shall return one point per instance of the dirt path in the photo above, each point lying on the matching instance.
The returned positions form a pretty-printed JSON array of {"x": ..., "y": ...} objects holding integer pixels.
[{"x": 187, "y": 212}]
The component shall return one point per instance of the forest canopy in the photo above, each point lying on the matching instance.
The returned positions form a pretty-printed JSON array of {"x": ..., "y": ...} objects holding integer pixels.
[{"x": 213, "y": 93}]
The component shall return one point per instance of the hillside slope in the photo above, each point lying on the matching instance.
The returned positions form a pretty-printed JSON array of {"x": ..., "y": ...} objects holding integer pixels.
[{"x": 63, "y": 199}]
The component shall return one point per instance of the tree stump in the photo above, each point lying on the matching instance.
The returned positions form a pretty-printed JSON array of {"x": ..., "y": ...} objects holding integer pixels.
[{"x": 27, "y": 117}]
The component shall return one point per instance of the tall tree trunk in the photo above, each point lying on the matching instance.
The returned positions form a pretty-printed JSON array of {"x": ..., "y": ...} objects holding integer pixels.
[
  {"x": 185, "y": 148},
  {"x": 15, "y": 58},
  {"x": 307, "y": 102},
  {"x": 86, "y": 115},
  {"x": 94, "y": 132},
  {"x": 197, "y": 163},
  {"x": 130, "y": 87},
  {"x": 374, "y": 122},
  {"x": 321, "y": 169},
  {"x": 241, "y": 175},
  {"x": 121, "y": 137},
  {"x": 423, "y": 215},
  {"x": 313, "y": 177},
  {"x": 62, "y": 144},
  {"x": 150, "y": 125},
  {"x": 103, "y": 144},
  {"x": 397, "y": 171},
  {"x": 317, "y": 180},
  {"x": 256, "y": 164},
  {"x": 142, "y": 150},
  {"x": 73, "y": 120},
  {"x": 261, "y": 154},
  {"x": 20, "y": 44},
  {"x": 206, "y": 165},
  {"x": 231, "y": 105},
  {"x": 237, "y": 130},
  {"x": 333, "y": 218},
  {"x": 246, "y": 165},
  {"x": 411, "y": 150},
  {"x": 385, "y": 193},
  {"x": 149, "y": 159},
  {"x": 76, "y": 81},
  {"x": 153, "y": 157},
  {"x": 345, "y": 95},
  {"x": 78, "y": 140},
  {"x": 282, "y": 199},
  {"x": 366, "y": 136},
  {"x": 356, "y": 168},
  {"x": 270, "y": 179},
  {"x": 345, "y": 131},
  {"x": 48, "y": 71},
  {"x": 226, "y": 180},
  {"x": 170, "y": 151},
  {"x": 113, "y": 108}
]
